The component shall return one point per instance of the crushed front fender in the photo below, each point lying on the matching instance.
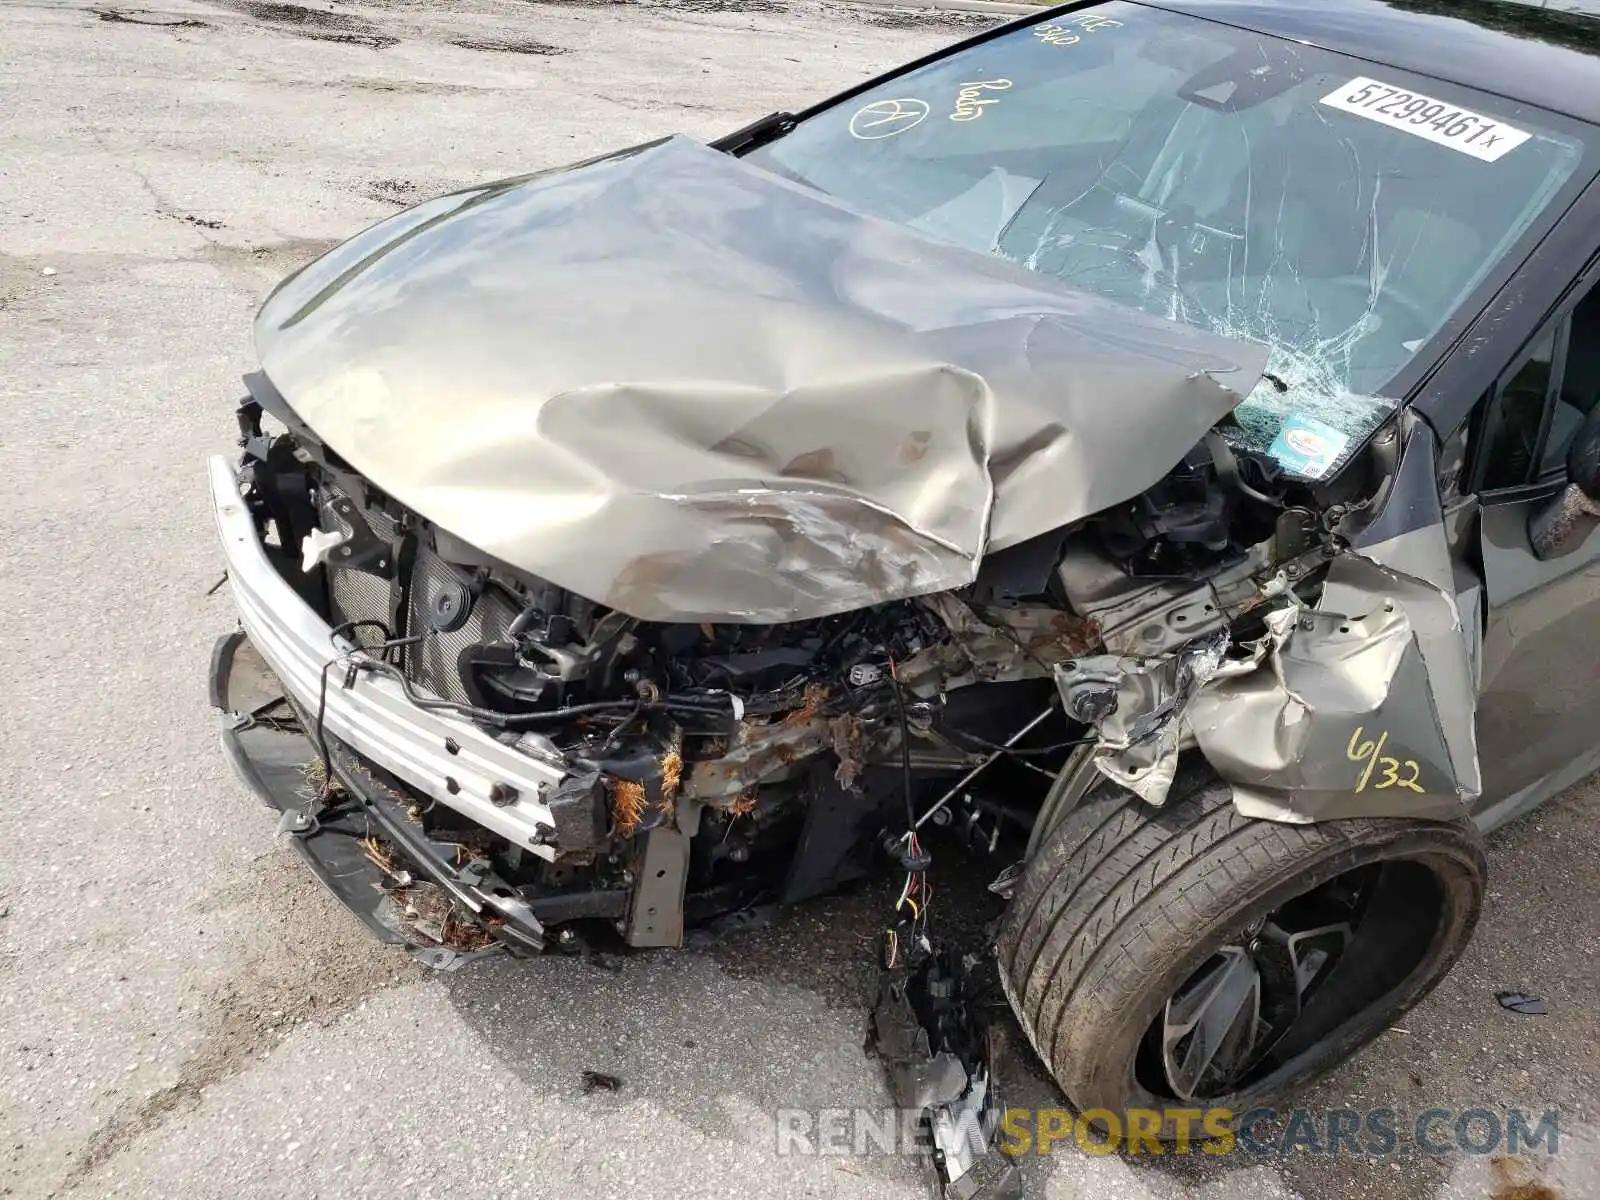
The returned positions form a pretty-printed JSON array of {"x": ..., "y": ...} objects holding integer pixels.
[{"x": 1363, "y": 704}]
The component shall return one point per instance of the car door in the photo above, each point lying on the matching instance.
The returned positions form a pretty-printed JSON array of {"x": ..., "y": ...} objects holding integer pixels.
[{"x": 1539, "y": 691}]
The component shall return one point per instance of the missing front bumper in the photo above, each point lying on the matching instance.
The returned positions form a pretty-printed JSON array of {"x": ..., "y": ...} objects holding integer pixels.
[{"x": 362, "y": 841}]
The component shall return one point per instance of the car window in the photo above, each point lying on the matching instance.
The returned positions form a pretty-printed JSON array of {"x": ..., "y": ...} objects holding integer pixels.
[
  {"x": 1540, "y": 404},
  {"x": 1258, "y": 188},
  {"x": 1511, "y": 439},
  {"x": 1580, "y": 385}
]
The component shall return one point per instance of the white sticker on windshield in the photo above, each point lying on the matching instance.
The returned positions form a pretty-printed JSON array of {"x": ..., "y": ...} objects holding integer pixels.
[{"x": 1459, "y": 128}]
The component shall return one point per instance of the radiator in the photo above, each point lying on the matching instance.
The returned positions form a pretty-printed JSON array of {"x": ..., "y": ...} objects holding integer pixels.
[{"x": 433, "y": 664}]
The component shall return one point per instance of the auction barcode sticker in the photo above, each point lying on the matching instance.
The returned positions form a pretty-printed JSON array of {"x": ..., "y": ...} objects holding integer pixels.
[{"x": 1459, "y": 128}]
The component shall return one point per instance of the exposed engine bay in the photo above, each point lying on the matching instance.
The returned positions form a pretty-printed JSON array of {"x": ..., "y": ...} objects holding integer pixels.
[
  {"x": 715, "y": 766},
  {"x": 643, "y": 631}
]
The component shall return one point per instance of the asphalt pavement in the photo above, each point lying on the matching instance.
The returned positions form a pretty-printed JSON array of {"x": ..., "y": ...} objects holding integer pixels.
[{"x": 183, "y": 1011}]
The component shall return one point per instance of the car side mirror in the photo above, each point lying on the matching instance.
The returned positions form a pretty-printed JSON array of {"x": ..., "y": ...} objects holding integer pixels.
[{"x": 1567, "y": 521}]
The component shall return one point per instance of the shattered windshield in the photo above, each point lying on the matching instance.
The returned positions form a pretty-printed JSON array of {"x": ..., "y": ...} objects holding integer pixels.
[{"x": 1335, "y": 210}]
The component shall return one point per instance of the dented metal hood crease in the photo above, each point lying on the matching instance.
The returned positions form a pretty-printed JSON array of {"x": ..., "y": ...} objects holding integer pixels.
[{"x": 690, "y": 390}]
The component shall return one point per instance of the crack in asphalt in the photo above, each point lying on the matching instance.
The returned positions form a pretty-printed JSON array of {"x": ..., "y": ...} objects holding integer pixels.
[{"x": 256, "y": 1009}]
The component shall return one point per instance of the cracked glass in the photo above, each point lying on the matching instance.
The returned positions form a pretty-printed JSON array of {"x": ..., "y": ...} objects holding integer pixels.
[{"x": 1333, "y": 210}]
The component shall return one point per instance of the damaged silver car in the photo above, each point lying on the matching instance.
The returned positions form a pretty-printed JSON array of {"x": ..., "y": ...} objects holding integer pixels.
[{"x": 1151, "y": 446}]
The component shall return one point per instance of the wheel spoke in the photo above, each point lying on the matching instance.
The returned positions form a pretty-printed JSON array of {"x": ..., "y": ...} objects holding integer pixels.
[
  {"x": 1291, "y": 966},
  {"x": 1311, "y": 950},
  {"x": 1210, "y": 1026}
]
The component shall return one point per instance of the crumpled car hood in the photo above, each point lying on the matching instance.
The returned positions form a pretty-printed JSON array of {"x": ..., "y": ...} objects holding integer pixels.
[{"x": 688, "y": 389}]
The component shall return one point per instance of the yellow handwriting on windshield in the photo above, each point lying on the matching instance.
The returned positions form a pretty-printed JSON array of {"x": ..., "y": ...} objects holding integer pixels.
[
  {"x": 969, "y": 102},
  {"x": 1055, "y": 35},
  {"x": 1066, "y": 32}
]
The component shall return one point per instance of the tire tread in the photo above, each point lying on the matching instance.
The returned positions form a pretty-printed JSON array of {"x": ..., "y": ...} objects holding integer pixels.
[{"x": 1117, "y": 882}]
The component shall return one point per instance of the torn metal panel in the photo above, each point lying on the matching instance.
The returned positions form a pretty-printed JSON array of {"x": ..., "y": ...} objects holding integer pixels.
[
  {"x": 1368, "y": 704},
  {"x": 813, "y": 410},
  {"x": 1363, "y": 705},
  {"x": 1338, "y": 720},
  {"x": 1137, "y": 705},
  {"x": 1332, "y": 713},
  {"x": 1141, "y": 619},
  {"x": 1443, "y": 646},
  {"x": 1404, "y": 554}
]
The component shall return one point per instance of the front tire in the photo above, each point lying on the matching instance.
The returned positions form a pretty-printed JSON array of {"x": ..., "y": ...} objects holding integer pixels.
[{"x": 1188, "y": 956}]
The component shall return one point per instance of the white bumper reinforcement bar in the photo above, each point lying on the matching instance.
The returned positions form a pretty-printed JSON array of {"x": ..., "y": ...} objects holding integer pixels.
[{"x": 442, "y": 755}]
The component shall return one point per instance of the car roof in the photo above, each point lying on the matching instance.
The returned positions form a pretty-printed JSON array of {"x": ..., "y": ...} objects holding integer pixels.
[{"x": 1543, "y": 54}]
